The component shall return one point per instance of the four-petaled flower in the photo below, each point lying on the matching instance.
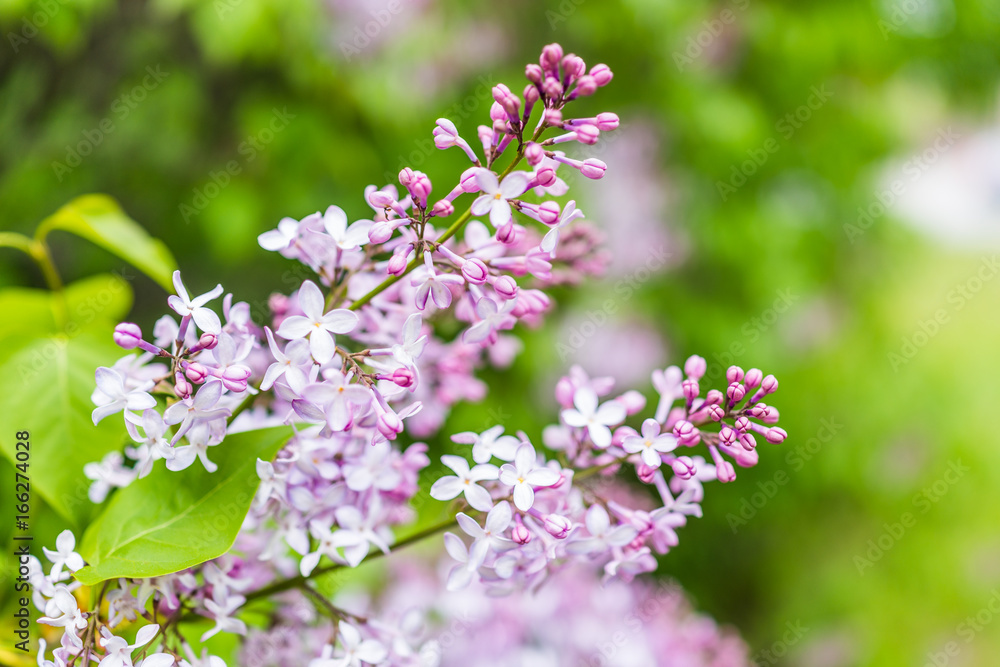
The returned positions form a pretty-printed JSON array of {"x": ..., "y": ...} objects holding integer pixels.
[
  {"x": 64, "y": 555},
  {"x": 465, "y": 481},
  {"x": 288, "y": 364},
  {"x": 551, "y": 239},
  {"x": 524, "y": 474},
  {"x": 488, "y": 444},
  {"x": 495, "y": 194},
  {"x": 491, "y": 319},
  {"x": 344, "y": 236},
  {"x": 597, "y": 420},
  {"x": 602, "y": 536},
  {"x": 185, "y": 306},
  {"x": 650, "y": 444},
  {"x": 112, "y": 385},
  {"x": 119, "y": 651},
  {"x": 317, "y": 325},
  {"x": 356, "y": 650}
]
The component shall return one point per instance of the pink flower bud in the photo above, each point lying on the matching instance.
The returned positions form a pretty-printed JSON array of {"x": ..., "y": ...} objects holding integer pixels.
[
  {"x": 607, "y": 121},
  {"x": 776, "y": 435},
  {"x": 724, "y": 471},
  {"x": 548, "y": 211},
  {"x": 714, "y": 397},
  {"x": 531, "y": 95},
  {"x": 507, "y": 100},
  {"x": 380, "y": 232},
  {"x": 403, "y": 377},
  {"x": 443, "y": 208},
  {"x": 746, "y": 458},
  {"x": 389, "y": 425},
  {"x": 769, "y": 385},
  {"x": 208, "y": 341},
  {"x": 742, "y": 424},
  {"x": 475, "y": 271},
  {"x": 534, "y": 153},
  {"x": 545, "y": 176},
  {"x": 687, "y": 433},
  {"x": 633, "y": 401},
  {"x": 734, "y": 374},
  {"x": 587, "y": 134},
  {"x": 182, "y": 387},
  {"x": 468, "y": 181},
  {"x": 602, "y": 74},
  {"x": 505, "y": 287},
  {"x": 278, "y": 304},
  {"x": 196, "y": 373},
  {"x": 695, "y": 367},
  {"x": 534, "y": 73},
  {"x": 753, "y": 378},
  {"x": 735, "y": 392},
  {"x": 553, "y": 116},
  {"x": 585, "y": 85},
  {"x": 406, "y": 176},
  {"x": 234, "y": 378},
  {"x": 758, "y": 411},
  {"x": 573, "y": 65},
  {"x": 593, "y": 168},
  {"x": 551, "y": 55},
  {"x": 380, "y": 199},
  {"x": 747, "y": 441},
  {"x": 683, "y": 467},
  {"x": 645, "y": 473},
  {"x": 552, "y": 89},
  {"x": 127, "y": 335},
  {"x": 397, "y": 264},
  {"x": 506, "y": 233},
  {"x": 772, "y": 415},
  {"x": 716, "y": 413},
  {"x": 520, "y": 534},
  {"x": 557, "y": 526},
  {"x": 727, "y": 435},
  {"x": 690, "y": 389}
]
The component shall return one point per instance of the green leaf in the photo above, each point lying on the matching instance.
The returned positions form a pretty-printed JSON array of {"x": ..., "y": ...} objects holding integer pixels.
[
  {"x": 170, "y": 521},
  {"x": 104, "y": 298},
  {"x": 99, "y": 219},
  {"x": 48, "y": 381}
]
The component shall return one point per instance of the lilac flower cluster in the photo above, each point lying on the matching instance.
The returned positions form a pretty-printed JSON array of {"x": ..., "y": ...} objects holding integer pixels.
[
  {"x": 355, "y": 357},
  {"x": 560, "y": 515}
]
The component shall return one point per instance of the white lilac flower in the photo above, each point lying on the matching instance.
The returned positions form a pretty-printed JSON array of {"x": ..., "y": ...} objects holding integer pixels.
[
  {"x": 488, "y": 444},
  {"x": 651, "y": 444},
  {"x": 596, "y": 419},
  {"x": 64, "y": 555},
  {"x": 112, "y": 387},
  {"x": 315, "y": 324},
  {"x": 465, "y": 481},
  {"x": 185, "y": 306},
  {"x": 525, "y": 474},
  {"x": 495, "y": 194}
]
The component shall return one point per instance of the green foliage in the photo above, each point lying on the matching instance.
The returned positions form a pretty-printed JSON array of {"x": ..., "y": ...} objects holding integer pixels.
[{"x": 170, "y": 521}]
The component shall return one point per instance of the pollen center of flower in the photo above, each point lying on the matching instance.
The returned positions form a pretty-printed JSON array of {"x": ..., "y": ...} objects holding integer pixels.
[{"x": 498, "y": 196}]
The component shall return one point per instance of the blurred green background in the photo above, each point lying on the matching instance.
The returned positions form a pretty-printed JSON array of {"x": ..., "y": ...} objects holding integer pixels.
[{"x": 753, "y": 133}]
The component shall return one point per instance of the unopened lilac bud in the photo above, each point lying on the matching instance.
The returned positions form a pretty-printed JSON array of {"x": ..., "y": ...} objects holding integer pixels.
[
  {"x": 397, "y": 264},
  {"x": 775, "y": 435},
  {"x": 714, "y": 397},
  {"x": 690, "y": 389},
  {"x": 772, "y": 415},
  {"x": 182, "y": 387},
  {"x": 420, "y": 187},
  {"x": 742, "y": 424},
  {"x": 607, "y": 121},
  {"x": 553, "y": 116},
  {"x": 234, "y": 378},
  {"x": 127, "y": 335},
  {"x": 724, "y": 471},
  {"x": 548, "y": 212},
  {"x": 380, "y": 232},
  {"x": 746, "y": 458},
  {"x": 507, "y": 100},
  {"x": 534, "y": 73},
  {"x": 500, "y": 126},
  {"x": 593, "y": 168},
  {"x": 758, "y": 411},
  {"x": 403, "y": 377},
  {"x": 520, "y": 534},
  {"x": 687, "y": 433},
  {"x": 506, "y": 233},
  {"x": 735, "y": 392},
  {"x": 633, "y": 401},
  {"x": 278, "y": 304},
  {"x": 551, "y": 56},
  {"x": 716, "y": 413},
  {"x": 557, "y": 526},
  {"x": 587, "y": 134},
  {"x": 734, "y": 374},
  {"x": 389, "y": 425},
  {"x": 727, "y": 435},
  {"x": 468, "y": 181},
  {"x": 208, "y": 341},
  {"x": 747, "y": 441},
  {"x": 545, "y": 176},
  {"x": 585, "y": 85},
  {"x": 683, "y": 467},
  {"x": 475, "y": 271},
  {"x": 380, "y": 199},
  {"x": 196, "y": 373},
  {"x": 645, "y": 473},
  {"x": 552, "y": 89},
  {"x": 769, "y": 384},
  {"x": 406, "y": 176},
  {"x": 602, "y": 74},
  {"x": 442, "y": 208},
  {"x": 753, "y": 378},
  {"x": 505, "y": 287},
  {"x": 531, "y": 95},
  {"x": 695, "y": 367},
  {"x": 573, "y": 65},
  {"x": 534, "y": 153}
]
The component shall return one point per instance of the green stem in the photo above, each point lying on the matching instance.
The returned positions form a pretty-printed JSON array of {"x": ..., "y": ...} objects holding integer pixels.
[{"x": 455, "y": 228}]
